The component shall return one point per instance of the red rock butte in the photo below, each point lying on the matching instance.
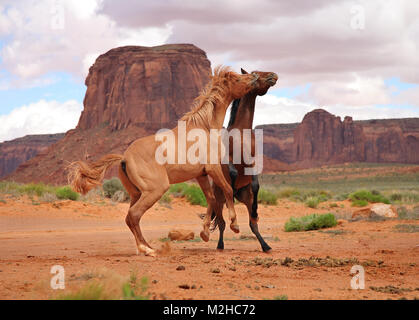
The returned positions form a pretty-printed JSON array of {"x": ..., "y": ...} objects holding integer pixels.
[
  {"x": 131, "y": 92},
  {"x": 150, "y": 87}
]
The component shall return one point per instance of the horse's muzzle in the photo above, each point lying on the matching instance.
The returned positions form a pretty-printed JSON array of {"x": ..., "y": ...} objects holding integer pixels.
[{"x": 272, "y": 79}]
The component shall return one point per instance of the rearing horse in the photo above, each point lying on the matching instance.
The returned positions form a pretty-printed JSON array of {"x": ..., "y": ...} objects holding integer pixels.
[
  {"x": 246, "y": 187},
  {"x": 146, "y": 179}
]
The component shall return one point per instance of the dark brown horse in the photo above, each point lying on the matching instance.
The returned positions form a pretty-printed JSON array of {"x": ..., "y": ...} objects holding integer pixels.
[{"x": 245, "y": 187}]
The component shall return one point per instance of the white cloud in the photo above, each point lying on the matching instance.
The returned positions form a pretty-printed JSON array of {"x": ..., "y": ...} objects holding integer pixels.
[
  {"x": 61, "y": 36},
  {"x": 145, "y": 36},
  {"x": 273, "y": 109},
  {"x": 303, "y": 41},
  {"x": 360, "y": 91},
  {"x": 40, "y": 118}
]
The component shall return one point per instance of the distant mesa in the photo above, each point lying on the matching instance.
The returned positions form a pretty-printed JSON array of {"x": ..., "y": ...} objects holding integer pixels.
[
  {"x": 134, "y": 91},
  {"x": 322, "y": 138},
  {"x": 17, "y": 151}
]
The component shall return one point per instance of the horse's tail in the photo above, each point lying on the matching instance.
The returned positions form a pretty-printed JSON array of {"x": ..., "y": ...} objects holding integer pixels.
[{"x": 83, "y": 176}]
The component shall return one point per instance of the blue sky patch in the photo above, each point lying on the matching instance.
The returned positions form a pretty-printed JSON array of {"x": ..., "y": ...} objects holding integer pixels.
[
  {"x": 395, "y": 83},
  {"x": 290, "y": 92},
  {"x": 63, "y": 88}
]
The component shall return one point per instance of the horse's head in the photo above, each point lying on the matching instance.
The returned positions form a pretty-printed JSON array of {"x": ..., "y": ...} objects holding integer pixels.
[
  {"x": 241, "y": 84},
  {"x": 264, "y": 82}
]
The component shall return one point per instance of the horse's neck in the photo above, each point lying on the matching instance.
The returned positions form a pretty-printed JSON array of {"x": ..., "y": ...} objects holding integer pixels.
[
  {"x": 245, "y": 113},
  {"x": 220, "y": 112}
]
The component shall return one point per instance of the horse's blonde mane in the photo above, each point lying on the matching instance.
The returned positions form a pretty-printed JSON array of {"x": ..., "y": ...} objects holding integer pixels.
[{"x": 203, "y": 107}]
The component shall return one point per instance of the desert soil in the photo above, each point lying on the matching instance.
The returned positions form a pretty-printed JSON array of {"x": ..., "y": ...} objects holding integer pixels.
[{"x": 88, "y": 238}]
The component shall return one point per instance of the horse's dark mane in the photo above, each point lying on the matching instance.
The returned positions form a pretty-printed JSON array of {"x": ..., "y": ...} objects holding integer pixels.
[{"x": 233, "y": 112}]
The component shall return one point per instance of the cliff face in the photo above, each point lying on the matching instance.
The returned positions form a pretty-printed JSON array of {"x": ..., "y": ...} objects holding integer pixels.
[
  {"x": 131, "y": 92},
  {"x": 322, "y": 138},
  {"x": 150, "y": 87},
  {"x": 17, "y": 151},
  {"x": 393, "y": 140}
]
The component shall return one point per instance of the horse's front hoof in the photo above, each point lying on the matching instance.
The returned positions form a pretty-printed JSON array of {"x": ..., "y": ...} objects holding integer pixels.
[
  {"x": 235, "y": 228},
  {"x": 204, "y": 236}
]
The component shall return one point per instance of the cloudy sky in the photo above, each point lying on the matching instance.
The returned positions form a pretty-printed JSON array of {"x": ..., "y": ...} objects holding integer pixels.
[{"x": 350, "y": 57}]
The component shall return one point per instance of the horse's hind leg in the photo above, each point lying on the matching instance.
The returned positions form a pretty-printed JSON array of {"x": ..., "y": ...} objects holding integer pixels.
[
  {"x": 152, "y": 189},
  {"x": 246, "y": 196},
  {"x": 134, "y": 194},
  {"x": 209, "y": 195},
  {"x": 255, "y": 190},
  {"x": 136, "y": 211},
  {"x": 219, "y": 219},
  {"x": 217, "y": 175}
]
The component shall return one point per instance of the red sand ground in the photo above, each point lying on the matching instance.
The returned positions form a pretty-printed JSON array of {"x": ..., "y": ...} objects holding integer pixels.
[{"x": 86, "y": 237}]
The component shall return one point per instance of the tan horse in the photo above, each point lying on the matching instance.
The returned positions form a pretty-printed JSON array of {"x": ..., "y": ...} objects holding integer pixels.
[{"x": 146, "y": 179}]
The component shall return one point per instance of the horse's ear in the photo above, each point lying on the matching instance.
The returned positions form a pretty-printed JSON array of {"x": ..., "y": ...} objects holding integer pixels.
[{"x": 244, "y": 71}]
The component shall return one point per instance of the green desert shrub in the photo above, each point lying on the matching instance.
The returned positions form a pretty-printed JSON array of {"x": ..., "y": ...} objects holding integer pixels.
[
  {"x": 404, "y": 197},
  {"x": 405, "y": 214},
  {"x": 135, "y": 289},
  {"x": 195, "y": 196},
  {"x": 396, "y": 197},
  {"x": 48, "y": 197},
  {"x": 303, "y": 196},
  {"x": 321, "y": 195},
  {"x": 359, "y": 203},
  {"x": 341, "y": 197},
  {"x": 362, "y": 196},
  {"x": 111, "y": 186},
  {"x": 120, "y": 196},
  {"x": 66, "y": 193},
  {"x": 37, "y": 189},
  {"x": 410, "y": 197},
  {"x": 267, "y": 197},
  {"x": 165, "y": 199},
  {"x": 178, "y": 189},
  {"x": 132, "y": 289},
  {"x": 90, "y": 291},
  {"x": 311, "y": 222},
  {"x": 289, "y": 193},
  {"x": 191, "y": 192},
  {"x": 9, "y": 187},
  {"x": 93, "y": 195},
  {"x": 312, "y": 202}
]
